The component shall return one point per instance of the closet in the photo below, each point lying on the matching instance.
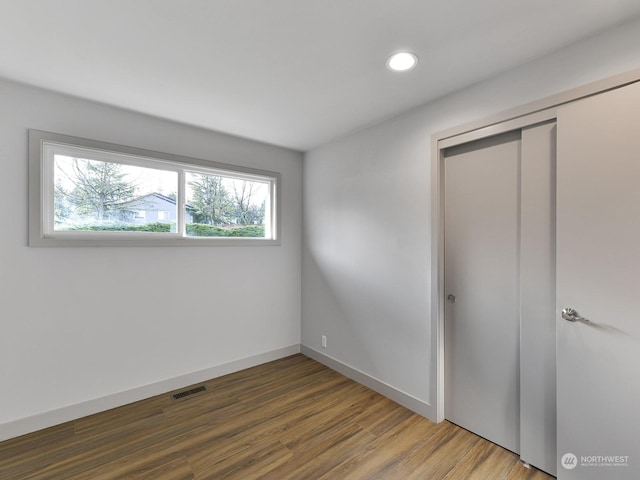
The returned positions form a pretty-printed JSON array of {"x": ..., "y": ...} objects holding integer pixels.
[
  {"x": 539, "y": 280},
  {"x": 499, "y": 284}
]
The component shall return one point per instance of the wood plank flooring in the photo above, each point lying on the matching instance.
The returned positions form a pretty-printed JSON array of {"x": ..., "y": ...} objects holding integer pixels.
[{"x": 289, "y": 419}]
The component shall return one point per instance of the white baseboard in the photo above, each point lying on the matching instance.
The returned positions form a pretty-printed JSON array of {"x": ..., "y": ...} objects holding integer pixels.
[
  {"x": 26, "y": 425},
  {"x": 406, "y": 400}
]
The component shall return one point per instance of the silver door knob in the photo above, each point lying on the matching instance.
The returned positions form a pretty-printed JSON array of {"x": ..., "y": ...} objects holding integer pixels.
[
  {"x": 572, "y": 315},
  {"x": 451, "y": 298}
]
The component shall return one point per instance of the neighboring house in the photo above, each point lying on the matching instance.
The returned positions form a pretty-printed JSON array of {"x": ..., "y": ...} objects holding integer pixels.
[{"x": 154, "y": 207}]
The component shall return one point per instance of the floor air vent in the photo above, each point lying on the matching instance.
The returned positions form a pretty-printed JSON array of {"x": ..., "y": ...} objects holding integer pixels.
[{"x": 186, "y": 393}]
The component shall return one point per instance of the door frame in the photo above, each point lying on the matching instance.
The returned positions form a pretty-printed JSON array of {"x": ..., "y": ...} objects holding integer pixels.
[{"x": 520, "y": 117}]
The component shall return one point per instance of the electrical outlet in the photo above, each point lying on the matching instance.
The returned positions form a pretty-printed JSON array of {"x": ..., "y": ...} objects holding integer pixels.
[{"x": 324, "y": 341}]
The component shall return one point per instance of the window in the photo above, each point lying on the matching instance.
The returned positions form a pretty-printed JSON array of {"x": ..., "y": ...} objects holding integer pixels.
[{"x": 85, "y": 193}]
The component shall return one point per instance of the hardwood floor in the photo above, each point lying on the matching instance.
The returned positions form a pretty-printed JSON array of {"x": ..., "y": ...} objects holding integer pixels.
[{"x": 288, "y": 419}]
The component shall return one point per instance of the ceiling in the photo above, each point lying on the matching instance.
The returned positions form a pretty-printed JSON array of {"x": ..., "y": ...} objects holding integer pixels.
[{"x": 295, "y": 73}]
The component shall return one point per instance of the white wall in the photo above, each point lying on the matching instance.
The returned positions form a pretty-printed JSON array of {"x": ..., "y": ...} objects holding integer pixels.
[
  {"x": 72, "y": 325},
  {"x": 366, "y": 236}
]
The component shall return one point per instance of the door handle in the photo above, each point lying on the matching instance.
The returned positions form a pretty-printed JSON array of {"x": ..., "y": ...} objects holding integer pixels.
[{"x": 572, "y": 315}]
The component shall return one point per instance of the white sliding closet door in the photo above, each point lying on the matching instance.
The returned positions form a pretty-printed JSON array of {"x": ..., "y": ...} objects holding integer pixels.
[
  {"x": 598, "y": 275},
  {"x": 481, "y": 271},
  {"x": 500, "y": 267}
]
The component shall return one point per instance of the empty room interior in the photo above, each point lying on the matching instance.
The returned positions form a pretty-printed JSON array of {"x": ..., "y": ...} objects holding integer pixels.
[{"x": 288, "y": 239}]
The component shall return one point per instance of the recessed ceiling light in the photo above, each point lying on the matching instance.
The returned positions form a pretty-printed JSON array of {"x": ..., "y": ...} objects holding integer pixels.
[{"x": 402, "y": 61}]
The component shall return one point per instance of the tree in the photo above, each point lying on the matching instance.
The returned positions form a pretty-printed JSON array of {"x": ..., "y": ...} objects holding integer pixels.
[
  {"x": 242, "y": 192},
  {"x": 62, "y": 207},
  {"x": 99, "y": 189},
  {"x": 210, "y": 203},
  {"x": 247, "y": 212},
  {"x": 255, "y": 214}
]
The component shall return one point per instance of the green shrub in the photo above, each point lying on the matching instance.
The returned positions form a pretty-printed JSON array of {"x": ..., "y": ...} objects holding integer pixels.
[
  {"x": 203, "y": 230},
  {"x": 124, "y": 227},
  {"x": 246, "y": 231},
  {"x": 193, "y": 229}
]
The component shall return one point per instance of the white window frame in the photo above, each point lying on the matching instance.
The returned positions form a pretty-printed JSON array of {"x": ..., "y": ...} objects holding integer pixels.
[{"x": 44, "y": 145}]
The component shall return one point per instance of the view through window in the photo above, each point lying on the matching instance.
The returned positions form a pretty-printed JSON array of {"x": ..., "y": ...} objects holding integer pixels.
[{"x": 90, "y": 193}]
